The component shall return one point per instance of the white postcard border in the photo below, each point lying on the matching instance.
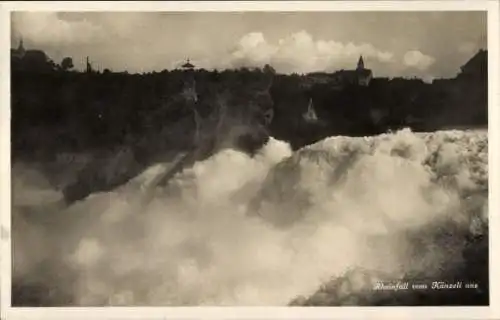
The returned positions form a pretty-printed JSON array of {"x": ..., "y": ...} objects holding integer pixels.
[{"x": 492, "y": 312}]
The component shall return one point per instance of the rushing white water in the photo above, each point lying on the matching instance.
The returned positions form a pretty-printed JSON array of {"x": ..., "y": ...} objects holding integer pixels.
[{"x": 235, "y": 230}]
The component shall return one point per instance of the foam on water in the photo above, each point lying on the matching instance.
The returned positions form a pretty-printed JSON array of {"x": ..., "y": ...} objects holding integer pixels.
[{"x": 236, "y": 230}]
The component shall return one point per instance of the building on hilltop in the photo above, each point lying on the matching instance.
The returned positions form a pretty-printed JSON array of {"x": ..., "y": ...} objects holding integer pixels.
[
  {"x": 19, "y": 52},
  {"x": 188, "y": 65},
  {"x": 364, "y": 75},
  {"x": 360, "y": 76},
  {"x": 30, "y": 60},
  {"x": 361, "y": 64},
  {"x": 28, "y": 56},
  {"x": 189, "y": 88},
  {"x": 318, "y": 78},
  {"x": 188, "y": 68}
]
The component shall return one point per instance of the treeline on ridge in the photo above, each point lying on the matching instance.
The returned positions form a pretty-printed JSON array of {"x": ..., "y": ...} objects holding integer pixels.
[{"x": 55, "y": 108}]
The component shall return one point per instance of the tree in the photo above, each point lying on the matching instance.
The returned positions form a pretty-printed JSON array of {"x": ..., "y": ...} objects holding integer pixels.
[
  {"x": 52, "y": 64},
  {"x": 67, "y": 63}
]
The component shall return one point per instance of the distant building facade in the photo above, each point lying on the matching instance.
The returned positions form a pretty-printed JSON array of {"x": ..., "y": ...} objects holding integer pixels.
[
  {"x": 188, "y": 66},
  {"x": 19, "y": 52},
  {"x": 360, "y": 76},
  {"x": 189, "y": 92},
  {"x": 30, "y": 60}
]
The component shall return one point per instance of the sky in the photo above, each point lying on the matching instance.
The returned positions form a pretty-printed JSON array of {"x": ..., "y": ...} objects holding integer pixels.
[{"x": 427, "y": 45}]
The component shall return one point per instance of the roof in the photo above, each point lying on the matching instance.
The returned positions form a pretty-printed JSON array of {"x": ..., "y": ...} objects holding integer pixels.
[
  {"x": 364, "y": 72},
  {"x": 353, "y": 73},
  {"x": 360, "y": 61},
  {"x": 188, "y": 65},
  {"x": 345, "y": 73},
  {"x": 319, "y": 73}
]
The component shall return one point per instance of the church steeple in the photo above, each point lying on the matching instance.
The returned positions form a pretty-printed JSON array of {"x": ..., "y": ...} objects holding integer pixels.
[
  {"x": 361, "y": 63},
  {"x": 20, "y": 48}
]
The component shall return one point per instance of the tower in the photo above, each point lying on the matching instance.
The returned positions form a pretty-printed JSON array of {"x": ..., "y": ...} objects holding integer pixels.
[
  {"x": 19, "y": 52},
  {"x": 191, "y": 97},
  {"x": 89, "y": 66},
  {"x": 188, "y": 66},
  {"x": 361, "y": 64},
  {"x": 20, "y": 49},
  {"x": 189, "y": 90},
  {"x": 363, "y": 75}
]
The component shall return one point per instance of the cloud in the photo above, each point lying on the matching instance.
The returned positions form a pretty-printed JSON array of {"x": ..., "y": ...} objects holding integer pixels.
[
  {"x": 418, "y": 60},
  {"x": 253, "y": 49},
  {"x": 300, "y": 52},
  {"x": 49, "y": 29}
]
